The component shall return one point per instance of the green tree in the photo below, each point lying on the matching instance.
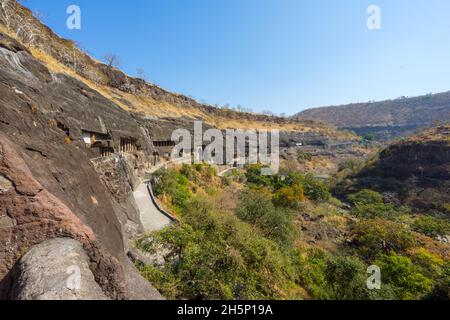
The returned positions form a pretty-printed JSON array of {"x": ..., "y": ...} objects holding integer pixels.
[
  {"x": 346, "y": 276},
  {"x": 373, "y": 236},
  {"x": 289, "y": 197},
  {"x": 211, "y": 255},
  {"x": 172, "y": 184},
  {"x": 406, "y": 278},
  {"x": 255, "y": 206},
  {"x": 313, "y": 188},
  {"x": 366, "y": 197},
  {"x": 369, "y": 204}
]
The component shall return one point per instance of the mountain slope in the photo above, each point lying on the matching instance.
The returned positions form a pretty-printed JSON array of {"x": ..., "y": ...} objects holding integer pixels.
[
  {"x": 386, "y": 119},
  {"x": 413, "y": 172},
  {"x": 131, "y": 94},
  {"x": 49, "y": 187}
]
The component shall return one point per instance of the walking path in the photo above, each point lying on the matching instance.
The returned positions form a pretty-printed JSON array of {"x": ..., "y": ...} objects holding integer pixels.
[{"x": 153, "y": 218}]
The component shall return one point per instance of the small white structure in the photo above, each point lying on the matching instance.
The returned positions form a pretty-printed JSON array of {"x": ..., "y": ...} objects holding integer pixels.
[{"x": 87, "y": 137}]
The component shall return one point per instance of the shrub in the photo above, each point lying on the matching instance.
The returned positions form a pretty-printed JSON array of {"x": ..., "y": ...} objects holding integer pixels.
[
  {"x": 313, "y": 188},
  {"x": 440, "y": 291},
  {"x": 337, "y": 277},
  {"x": 189, "y": 173},
  {"x": 431, "y": 264},
  {"x": 198, "y": 167},
  {"x": 289, "y": 197},
  {"x": 350, "y": 165},
  {"x": 254, "y": 203},
  {"x": 406, "y": 278},
  {"x": 253, "y": 175},
  {"x": 346, "y": 277},
  {"x": 366, "y": 197},
  {"x": 375, "y": 236},
  {"x": 278, "y": 226},
  {"x": 431, "y": 226},
  {"x": 311, "y": 269},
  {"x": 446, "y": 208},
  {"x": 370, "y": 136},
  {"x": 172, "y": 184},
  {"x": 304, "y": 156},
  {"x": 369, "y": 204},
  {"x": 209, "y": 172},
  {"x": 255, "y": 206},
  {"x": 372, "y": 211},
  {"x": 212, "y": 255}
]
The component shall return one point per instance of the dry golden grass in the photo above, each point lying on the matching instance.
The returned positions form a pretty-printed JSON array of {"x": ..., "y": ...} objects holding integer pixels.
[{"x": 151, "y": 107}]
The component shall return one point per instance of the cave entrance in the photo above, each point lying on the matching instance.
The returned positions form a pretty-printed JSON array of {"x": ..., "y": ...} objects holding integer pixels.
[
  {"x": 128, "y": 145},
  {"x": 97, "y": 140},
  {"x": 164, "y": 147}
]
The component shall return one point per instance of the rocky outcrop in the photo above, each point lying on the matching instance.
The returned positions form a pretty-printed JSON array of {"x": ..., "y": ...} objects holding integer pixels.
[
  {"x": 414, "y": 172},
  {"x": 57, "y": 269},
  {"x": 49, "y": 188},
  {"x": 71, "y": 153},
  {"x": 35, "y": 215}
]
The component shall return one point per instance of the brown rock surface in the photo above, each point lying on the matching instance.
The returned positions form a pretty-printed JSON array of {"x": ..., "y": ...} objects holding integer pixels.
[
  {"x": 38, "y": 215},
  {"x": 49, "y": 188}
]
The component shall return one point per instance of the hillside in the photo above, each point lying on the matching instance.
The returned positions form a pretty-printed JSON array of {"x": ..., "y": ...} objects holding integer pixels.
[
  {"x": 86, "y": 173},
  {"x": 414, "y": 172},
  {"x": 76, "y": 139},
  {"x": 387, "y": 119},
  {"x": 131, "y": 94}
]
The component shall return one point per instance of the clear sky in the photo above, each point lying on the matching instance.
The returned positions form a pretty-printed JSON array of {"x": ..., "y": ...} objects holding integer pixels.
[{"x": 279, "y": 55}]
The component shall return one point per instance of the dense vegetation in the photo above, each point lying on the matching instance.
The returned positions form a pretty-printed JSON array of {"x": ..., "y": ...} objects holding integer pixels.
[{"x": 240, "y": 238}]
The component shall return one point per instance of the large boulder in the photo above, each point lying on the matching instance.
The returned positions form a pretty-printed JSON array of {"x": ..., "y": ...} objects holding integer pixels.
[{"x": 56, "y": 269}]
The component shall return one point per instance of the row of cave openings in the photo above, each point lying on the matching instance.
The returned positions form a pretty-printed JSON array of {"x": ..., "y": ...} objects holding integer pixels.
[{"x": 104, "y": 142}]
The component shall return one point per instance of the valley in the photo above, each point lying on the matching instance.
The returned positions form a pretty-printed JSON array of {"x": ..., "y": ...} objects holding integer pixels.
[{"x": 89, "y": 185}]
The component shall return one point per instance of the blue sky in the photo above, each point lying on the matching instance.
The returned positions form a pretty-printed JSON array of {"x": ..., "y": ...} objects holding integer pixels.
[{"x": 278, "y": 55}]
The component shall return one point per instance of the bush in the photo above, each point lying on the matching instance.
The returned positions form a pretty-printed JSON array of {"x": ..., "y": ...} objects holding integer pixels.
[
  {"x": 304, "y": 156},
  {"x": 370, "y": 136},
  {"x": 370, "y": 205},
  {"x": 212, "y": 255},
  {"x": 431, "y": 226},
  {"x": 375, "y": 236},
  {"x": 289, "y": 197},
  {"x": 254, "y": 203},
  {"x": 346, "y": 277},
  {"x": 172, "y": 184},
  {"x": 255, "y": 206},
  {"x": 350, "y": 165},
  {"x": 366, "y": 197},
  {"x": 406, "y": 278},
  {"x": 311, "y": 269},
  {"x": 253, "y": 175},
  {"x": 313, "y": 188},
  {"x": 432, "y": 265}
]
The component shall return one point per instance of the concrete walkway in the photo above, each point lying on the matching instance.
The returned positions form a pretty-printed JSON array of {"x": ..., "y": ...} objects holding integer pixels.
[{"x": 152, "y": 219}]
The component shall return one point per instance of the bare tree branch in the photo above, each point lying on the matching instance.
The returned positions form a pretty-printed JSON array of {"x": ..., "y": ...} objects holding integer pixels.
[{"x": 112, "y": 60}]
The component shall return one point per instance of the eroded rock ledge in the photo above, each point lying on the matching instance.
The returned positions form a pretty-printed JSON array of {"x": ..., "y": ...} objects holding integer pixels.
[
  {"x": 56, "y": 269},
  {"x": 31, "y": 215}
]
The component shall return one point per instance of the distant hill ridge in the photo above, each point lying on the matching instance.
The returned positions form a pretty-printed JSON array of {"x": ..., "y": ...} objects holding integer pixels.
[
  {"x": 386, "y": 119},
  {"x": 130, "y": 93}
]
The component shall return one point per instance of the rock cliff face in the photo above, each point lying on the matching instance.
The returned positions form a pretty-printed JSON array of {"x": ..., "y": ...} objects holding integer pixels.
[
  {"x": 49, "y": 186},
  {"x": 72, "y": 150},
  {"x": 34, "y": 215},
  {"x": 414, "y": 172},
  {"x": 64, "y": 266}
]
